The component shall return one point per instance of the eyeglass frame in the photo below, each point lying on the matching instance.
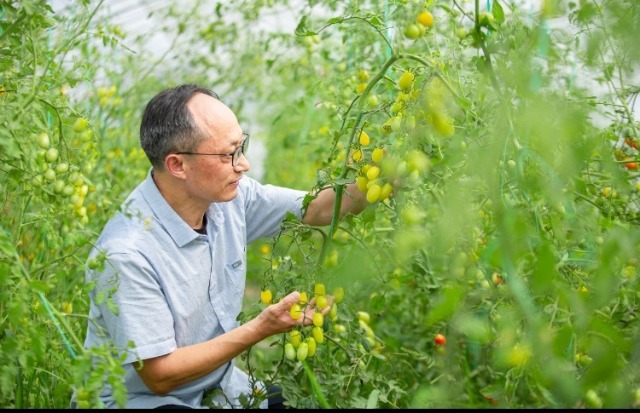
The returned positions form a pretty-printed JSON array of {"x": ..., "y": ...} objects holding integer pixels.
[{"x": 235, "y": 155}]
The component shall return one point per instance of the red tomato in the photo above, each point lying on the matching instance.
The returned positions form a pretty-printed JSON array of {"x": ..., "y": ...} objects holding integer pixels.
[
  {"x": 440, "y": 340},
  {"x": 631, "y": 143}
]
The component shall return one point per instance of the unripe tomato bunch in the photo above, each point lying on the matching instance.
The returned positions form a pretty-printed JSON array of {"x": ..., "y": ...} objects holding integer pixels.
[
  {"x": 107, "y": 96},
  {"x": 302, "y": 342},
  {"x": 58, "y": 176},
  {"x": 417, "y": 28},
  {"x": 368, "y": 179},
  {"x": 390, "y": 161}
]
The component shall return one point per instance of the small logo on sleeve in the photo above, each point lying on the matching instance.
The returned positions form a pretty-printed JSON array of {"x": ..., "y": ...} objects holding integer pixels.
[{"x": 236, "y": 264}]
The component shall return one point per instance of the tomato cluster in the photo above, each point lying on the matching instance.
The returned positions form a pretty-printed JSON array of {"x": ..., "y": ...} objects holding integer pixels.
[
  {"x": 302, "y": 342},
  {"x": 419, "y": 27}
]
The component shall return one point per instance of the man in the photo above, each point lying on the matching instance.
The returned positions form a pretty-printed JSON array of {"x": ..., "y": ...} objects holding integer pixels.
[{"x": 176, "y": 256}]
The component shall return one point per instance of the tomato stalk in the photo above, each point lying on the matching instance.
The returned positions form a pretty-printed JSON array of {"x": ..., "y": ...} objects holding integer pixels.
[
  {"x": 442, "y": 79},
  {"x": 339, "y": 187},
  {"x": 485, "y": 51},
  {"x": 58, "y": 321},
  {"x": 315, "y": 386}
]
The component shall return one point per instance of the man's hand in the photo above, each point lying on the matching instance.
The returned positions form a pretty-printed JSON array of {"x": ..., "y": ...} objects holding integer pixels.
[{"x": 276, "y": 318}]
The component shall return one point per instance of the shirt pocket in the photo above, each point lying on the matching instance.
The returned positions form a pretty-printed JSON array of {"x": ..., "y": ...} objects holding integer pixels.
[{"x": 236, "y": 272}]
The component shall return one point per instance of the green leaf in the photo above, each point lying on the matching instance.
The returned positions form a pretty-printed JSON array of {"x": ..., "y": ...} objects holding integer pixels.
[
  {"x": 372, "y": 401},
  {"x": 344, "y": 181},
  {"x": 6, "y": 246},
  {"x": 305, "y": 203},
  {"x": 302, "y": 29},
  {"x": 291, "y": 217},
  {"x": 498, "y": 12}
]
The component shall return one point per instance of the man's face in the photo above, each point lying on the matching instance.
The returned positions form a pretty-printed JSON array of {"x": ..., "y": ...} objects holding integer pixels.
[{"x": 213, "y": 178}]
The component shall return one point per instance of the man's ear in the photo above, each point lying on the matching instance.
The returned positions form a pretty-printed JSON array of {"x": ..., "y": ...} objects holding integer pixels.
[{"x": 174, "y": 165}]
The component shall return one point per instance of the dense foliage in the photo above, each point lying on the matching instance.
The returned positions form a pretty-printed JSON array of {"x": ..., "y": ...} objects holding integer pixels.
[{"x": 496, "y": 141}]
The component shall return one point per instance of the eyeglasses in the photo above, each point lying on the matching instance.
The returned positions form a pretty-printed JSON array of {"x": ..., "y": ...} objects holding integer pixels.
[{"x": 235, "y": 155}]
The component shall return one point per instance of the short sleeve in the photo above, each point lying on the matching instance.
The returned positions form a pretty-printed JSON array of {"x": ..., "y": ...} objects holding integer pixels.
[
  {"x": 143, "y": 316},
  {"x": 266, "y": 206}
]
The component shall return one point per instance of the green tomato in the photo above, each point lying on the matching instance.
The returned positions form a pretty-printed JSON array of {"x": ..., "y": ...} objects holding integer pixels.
[
  {"x": 86, "y": 135},
  {"x": 58, "y": 187},
  {"x": 412, "y": 31},
  {"x": 311, "y": 344},
  {"x": 333, "y": 312},
  {"x": 396, "y": 122},
  {"x": 51, "y": 155},
  {"x": 593, "y": 399},
  {"x": 289, "y": 351},
  {"x": 68, "y": 190},
  {"x": 303, "y": 351},
  {"x": 338, "y": 294},
  {"x": 80, "y": 124},
  {"x": 43, "y": 140},
  {"x": 50, "y": 175},
  {"x": 62, "y": 167}
]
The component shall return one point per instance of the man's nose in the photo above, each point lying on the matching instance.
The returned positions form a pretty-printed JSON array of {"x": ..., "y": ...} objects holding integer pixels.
[{"x": 243, "y": 164}]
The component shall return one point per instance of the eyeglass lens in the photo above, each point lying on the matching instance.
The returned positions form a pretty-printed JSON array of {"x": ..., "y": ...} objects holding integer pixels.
[{"x": 240, "y": 151}]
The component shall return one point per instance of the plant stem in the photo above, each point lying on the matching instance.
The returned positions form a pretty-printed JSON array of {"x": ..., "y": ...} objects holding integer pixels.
[{"x": 315, "y": 386}]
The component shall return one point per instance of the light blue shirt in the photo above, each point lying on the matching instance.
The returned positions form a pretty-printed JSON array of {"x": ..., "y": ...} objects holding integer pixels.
[{"x": 176, "y": 287}]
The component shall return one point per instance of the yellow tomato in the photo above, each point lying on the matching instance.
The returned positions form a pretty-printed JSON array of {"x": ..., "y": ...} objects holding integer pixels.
[
  {"x": 296, "y": 338},
  {"x": 425, "y": 18},
  {"x": 364, "y": 316},
  {"x": 373, "y": 193},
  {"x": 266, "y": 296},
  {"x": 405, "y": 81},
  {"x": 361, "y": 182},
  {"x": 373, "y": 173},
  {"x": 364, "y": 138},
  {"x": 318, "y": 319},
  {"x": 322, "y": 301},
  {"x": 387, "y": 188},
  {"x": 295, "y": 311},
  {"x": 318, "y": 334},
  {"x": 377, "y": 154}
]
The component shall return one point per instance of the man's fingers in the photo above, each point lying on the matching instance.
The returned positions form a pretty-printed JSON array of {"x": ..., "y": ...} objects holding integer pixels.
[{"x": 291, "y": 299}]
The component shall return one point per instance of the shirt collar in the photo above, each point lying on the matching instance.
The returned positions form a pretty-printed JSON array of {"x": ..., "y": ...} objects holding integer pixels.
[{"x": 176, "y": 227}]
